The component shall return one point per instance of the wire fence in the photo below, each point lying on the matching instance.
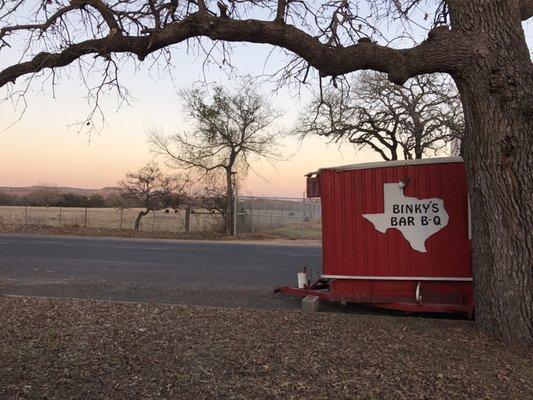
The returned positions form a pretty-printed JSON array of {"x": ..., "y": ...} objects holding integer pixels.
[
  {"x": 107, "y": 218},
  {"x": 286, "y": 216}
]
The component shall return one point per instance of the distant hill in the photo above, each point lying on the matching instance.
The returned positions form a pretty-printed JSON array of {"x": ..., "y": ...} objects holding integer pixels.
[{"x": 24, "y": 191}]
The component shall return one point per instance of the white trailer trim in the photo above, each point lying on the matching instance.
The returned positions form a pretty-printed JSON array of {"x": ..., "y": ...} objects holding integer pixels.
[
  {"x": 400, "y": 278},
  {"x": 397, "y": 163}
]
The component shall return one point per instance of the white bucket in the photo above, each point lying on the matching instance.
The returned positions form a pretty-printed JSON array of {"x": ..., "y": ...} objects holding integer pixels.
[{"x": 302, "y": 280}]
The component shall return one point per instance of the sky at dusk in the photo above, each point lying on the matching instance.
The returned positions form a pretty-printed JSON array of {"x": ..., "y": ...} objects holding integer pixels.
[
  {"x": 42, "y": 148},
  {"x": 45, "y": 148}
]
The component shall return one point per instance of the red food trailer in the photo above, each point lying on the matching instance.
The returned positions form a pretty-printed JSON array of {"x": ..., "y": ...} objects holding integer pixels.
[{"x": 396, "y": 235}]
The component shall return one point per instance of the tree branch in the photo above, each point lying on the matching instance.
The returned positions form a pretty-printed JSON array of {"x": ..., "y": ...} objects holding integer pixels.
[
  {"x": 280, "y": 11},
  {"x": 104, "y": 10},
  {"x": 526, "y": 9},
  {"x": 443, "y": 51},
  {"x": 202, "y": 8},
  {"x": 43, "y": 27}
]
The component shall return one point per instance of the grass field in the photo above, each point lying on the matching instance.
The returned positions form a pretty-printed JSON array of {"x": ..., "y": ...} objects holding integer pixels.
[
  {"x": 257, "y": 223},
  {"x": 107, "y": 218}
]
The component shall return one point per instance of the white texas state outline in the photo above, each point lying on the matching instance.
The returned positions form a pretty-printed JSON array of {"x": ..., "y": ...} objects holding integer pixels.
[{"x": 417, "y": 233}]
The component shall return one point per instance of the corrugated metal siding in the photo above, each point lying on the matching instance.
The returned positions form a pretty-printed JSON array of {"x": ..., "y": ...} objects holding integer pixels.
[{"x": 351, "y": 244}]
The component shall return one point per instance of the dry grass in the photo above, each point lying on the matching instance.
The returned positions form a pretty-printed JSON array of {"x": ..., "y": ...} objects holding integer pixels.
[
  {"x": 103, "y": 232},
  {"x": 107, "y": 218},
  {"x": 71, "y": 349},
  {"x": 310, "y": 230},
  {"x": 128, "y": 233},
  {"x": 115, "y": 222}
]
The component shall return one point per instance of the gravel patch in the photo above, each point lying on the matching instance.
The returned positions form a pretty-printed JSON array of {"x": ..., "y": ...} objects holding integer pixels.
[{"x": 81, "y": 349}]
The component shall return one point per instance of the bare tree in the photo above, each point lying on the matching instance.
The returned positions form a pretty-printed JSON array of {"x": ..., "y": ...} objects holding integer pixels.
[
  {"x": 231, "y": 128},
  {"x": 152, "y": 189},
  {"x": 44, "y": 195},
  {"x": 480, "y": 43},
  {"x": 423, "y": 116},
  {"x": 211, "y": 194}
]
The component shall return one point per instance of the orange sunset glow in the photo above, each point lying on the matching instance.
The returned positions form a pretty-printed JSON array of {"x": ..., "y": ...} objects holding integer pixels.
[{"x": 40, "y": 144}]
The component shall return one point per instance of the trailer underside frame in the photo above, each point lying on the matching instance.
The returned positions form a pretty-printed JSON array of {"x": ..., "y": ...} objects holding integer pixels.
[{"x": 405, "y": 295}]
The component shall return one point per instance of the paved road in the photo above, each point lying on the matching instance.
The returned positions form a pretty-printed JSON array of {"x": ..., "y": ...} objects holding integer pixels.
[{"x": 201, "y": 273}]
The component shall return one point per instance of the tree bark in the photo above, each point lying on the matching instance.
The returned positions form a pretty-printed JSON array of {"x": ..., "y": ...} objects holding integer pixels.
[
  {"x": 141, "y": 214},
  {"x": 497, "y": 95},
  {"x": 419, "y": 150}
]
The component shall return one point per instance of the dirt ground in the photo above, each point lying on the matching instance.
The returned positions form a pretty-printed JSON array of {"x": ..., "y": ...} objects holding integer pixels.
[
  {"x": 74, "y": 349},
  {"x": 128, "y": 233}
]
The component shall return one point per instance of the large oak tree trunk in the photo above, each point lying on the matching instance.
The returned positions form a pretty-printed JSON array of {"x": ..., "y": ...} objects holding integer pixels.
[{"x": 497, "y": 95}]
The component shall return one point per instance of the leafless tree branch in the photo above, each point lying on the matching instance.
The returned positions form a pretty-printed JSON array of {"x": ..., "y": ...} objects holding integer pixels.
[{"x": 395, "y": 121}]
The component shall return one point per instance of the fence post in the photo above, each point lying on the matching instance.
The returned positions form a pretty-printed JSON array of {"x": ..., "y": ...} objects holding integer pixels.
[
  {"x": 25, "y": 215},
  {"x": 121, "y": 212},
  {"x": 235, "y": 220},
  {"x": 187, "y": 219},
  {"x": 60, "y": 210},
  {"x": 284, "y": 214},
  {"x": 252, "y": 214},
  {"x": 85, "y": 218},
  {"x": 265, "y": 215},
  {"x": 303, "y": 216}
]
